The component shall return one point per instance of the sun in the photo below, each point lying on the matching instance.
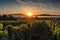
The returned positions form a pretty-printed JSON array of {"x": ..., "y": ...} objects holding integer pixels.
[{"x": 29, "y": 14}]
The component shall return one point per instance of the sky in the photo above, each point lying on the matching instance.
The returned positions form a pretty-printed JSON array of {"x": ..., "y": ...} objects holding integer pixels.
[{"x": 33, "y": 6}]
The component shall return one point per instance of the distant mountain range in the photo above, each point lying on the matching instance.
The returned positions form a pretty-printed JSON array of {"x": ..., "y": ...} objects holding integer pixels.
[{"x": 46, "y": 15}]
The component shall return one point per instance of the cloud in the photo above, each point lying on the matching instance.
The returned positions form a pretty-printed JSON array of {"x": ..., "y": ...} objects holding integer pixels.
[
  {"x": 21, "y": 1},
  {"x": 38, "y": 6}
]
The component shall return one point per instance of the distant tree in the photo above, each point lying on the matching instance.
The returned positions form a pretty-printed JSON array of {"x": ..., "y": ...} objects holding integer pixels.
[{"x": 4, "y": 17}]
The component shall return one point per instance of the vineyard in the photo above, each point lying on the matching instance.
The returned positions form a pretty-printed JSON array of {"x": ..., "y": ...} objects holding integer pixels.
[{"x": 30, "y": 30}]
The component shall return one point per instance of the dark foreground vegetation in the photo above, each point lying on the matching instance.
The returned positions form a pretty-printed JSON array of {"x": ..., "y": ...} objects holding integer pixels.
[
  {"x": 30, "y": 30},
  {"x": 12, "y": 28}
]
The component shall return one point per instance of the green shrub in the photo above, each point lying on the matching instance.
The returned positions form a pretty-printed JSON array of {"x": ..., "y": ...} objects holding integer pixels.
[{"x": 1, "y": 26}]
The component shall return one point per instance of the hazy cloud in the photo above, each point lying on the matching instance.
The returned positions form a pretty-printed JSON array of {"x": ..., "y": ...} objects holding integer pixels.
[{"x": 39, "y": 5}]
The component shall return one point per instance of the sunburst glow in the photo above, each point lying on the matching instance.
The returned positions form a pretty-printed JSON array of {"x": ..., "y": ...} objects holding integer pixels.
[{"x": 29, "y": 14}]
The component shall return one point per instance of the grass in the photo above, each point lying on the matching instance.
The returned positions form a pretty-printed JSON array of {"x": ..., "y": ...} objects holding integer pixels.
[{"x": 31, "y": 26}]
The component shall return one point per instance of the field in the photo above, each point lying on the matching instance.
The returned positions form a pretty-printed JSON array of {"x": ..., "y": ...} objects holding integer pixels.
[{"x": 34, "y": 29}]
